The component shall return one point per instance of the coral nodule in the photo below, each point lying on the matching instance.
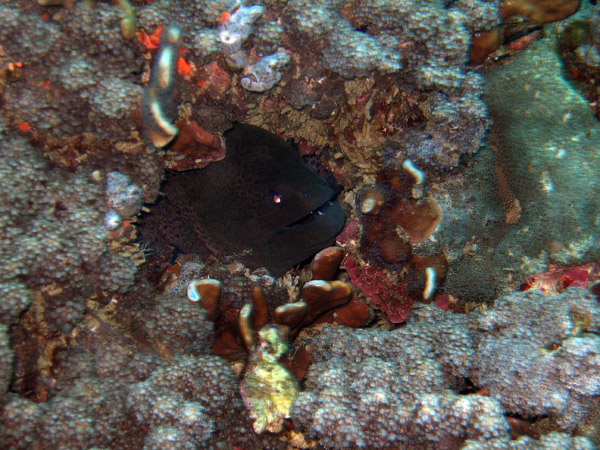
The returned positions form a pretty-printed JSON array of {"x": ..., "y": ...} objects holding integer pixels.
[{"x": 395, "y": 215}]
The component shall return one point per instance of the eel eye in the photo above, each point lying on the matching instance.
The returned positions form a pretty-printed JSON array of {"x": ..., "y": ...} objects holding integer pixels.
[{"x": 276, "y": 198}]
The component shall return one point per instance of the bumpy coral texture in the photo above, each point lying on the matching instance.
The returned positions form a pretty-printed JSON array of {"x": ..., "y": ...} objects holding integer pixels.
[
  {"x": 375, "y": 388},
  {"x": 174, "y": 324},
  {"x": 15, "y": 299},
  {"x": 540, "y": 355},
  {"x": 551, "y": 441},
  {"x": 388, "y": 37},
  {"x": 107, "y": 391},
  {"x": 86, "y": 58},
  {"x": 53, "y": 238},
  {"x": 6, "y": 357},
  {"x": 89, "y": 65},
  {"x": 196, "y": 395},
  {"x": 87, "y": 406},
  {"x": 196, "y": 400},
  {"x": 375, "y": 35},
  {"x": 166, "y": 437},
  {"x": 372, "y": 388}
]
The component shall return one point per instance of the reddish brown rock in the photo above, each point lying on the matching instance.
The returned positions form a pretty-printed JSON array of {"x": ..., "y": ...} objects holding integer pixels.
[{"x": 326, "y": 263}]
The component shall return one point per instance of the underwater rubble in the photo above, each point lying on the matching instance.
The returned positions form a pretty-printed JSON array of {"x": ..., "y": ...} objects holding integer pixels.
[{"x": 398, "y": 247}]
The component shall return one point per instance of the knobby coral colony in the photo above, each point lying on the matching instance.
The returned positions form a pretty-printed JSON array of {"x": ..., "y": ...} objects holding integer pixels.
[
  {"x": 395, "y": 214},
  {"x": 268, "y": 387}
]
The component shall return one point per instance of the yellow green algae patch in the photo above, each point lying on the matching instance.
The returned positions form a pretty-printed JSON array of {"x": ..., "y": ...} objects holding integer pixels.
[{"x": 268, "y": 388}]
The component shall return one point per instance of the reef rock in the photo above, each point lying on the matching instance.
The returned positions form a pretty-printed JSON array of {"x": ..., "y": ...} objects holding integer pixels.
[{"x": 402, "y": 389}]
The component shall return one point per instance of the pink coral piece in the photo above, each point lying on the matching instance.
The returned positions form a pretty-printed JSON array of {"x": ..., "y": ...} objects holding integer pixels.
[
  {"x": 350, "y": 232},
  {"x": 384, "y": 294},
  {"x": 441, "y": 301},
  {"x": 558, "y": 279}
]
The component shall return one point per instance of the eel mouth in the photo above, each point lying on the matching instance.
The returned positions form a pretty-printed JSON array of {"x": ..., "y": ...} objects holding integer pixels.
[
  {"x": 315, "y": 214},
  {"x": 303, "y": 238}
]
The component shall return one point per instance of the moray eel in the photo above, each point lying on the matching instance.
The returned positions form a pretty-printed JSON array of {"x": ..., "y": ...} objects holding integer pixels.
[{"x": 261, "y": 205}]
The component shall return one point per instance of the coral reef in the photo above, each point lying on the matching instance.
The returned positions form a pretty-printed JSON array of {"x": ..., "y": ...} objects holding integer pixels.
[
  {"x": 241, "y": 305},
  {"x": 16, "y": 298},
  {"x": 534, "y": 355},
  {"x": 364, "y": 43},
  {"x": 424, "y": 91},
  {"x": 396, "y": 215},
  {"x": 174, "y": 326},
  {"x": 373, "y": 388},
  {"x": 107, "y": 341},
  {"x": 195, "y": 395},
  {"x": 562, "y": 354},
  {"x": 384, "y": 290},
  {"x": 100, "y": 79},
  {"x": 234, "y": 30},
  {"x": 87, "y": 404},
  {"x": 499, "y": 247},
  {"x": 357, "y": 38},
  {"x": 110, "y": 390},
  {"x": 6, "y": 360},
  {"x": 56, "y": 247}
]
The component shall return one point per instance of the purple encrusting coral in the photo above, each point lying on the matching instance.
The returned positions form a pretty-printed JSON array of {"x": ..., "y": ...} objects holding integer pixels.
[
  {"x": 390, "y": 37},
  {"x": 536, "y": 355},
  {"x": 106, "y": 391},
  {"x": 53, "y": 236}
]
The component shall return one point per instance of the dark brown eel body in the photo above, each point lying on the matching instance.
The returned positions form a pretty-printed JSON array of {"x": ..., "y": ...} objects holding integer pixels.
[{"x": 261, "y": 205}]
